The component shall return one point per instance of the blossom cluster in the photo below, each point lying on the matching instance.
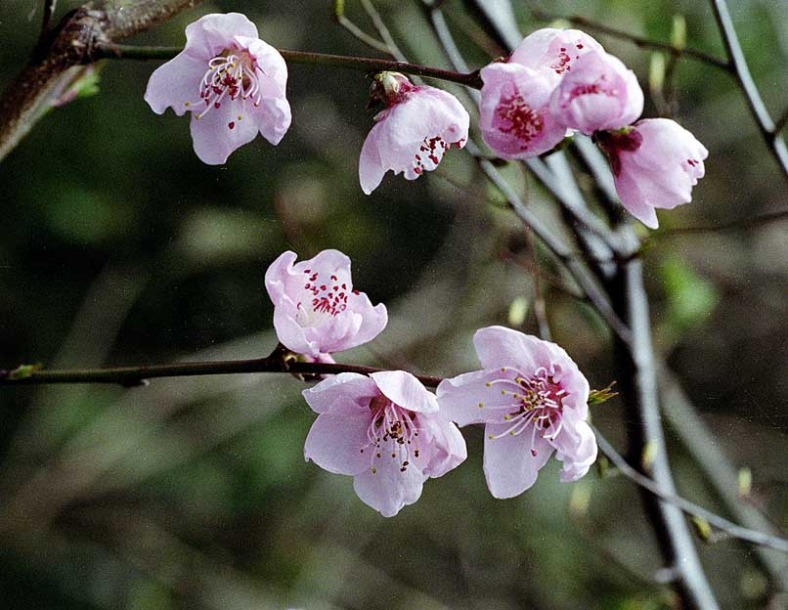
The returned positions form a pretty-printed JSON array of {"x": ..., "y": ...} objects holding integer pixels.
[
  {"x": 389, "y": 432},
  {"x": 560, "y": 82},
  {"x": 555, "y": 84}
]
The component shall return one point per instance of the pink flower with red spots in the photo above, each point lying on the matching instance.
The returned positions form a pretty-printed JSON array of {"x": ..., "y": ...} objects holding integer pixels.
[
  {"x": 553, "y": 51},
  {"x": 411, "y": 135},
  {"x": 533, "y": 401},
  {"x": 599, "y": 93},
  {"x": 655, "y": 163},
  {"x": 231, "y": 82},
  {"x": 316, "y": 309},
  {"x": 514, "y": 116},
  {"x": 386, "y": 431}
]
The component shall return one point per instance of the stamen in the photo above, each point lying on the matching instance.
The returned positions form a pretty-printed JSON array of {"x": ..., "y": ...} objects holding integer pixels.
[{"x": 229, "y": 76}]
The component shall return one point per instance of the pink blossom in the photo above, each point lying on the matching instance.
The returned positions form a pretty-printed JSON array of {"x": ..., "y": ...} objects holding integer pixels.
[
  {"x": 533, "y": 400},
  {"x": 514, "y": 115},
  {"x": 553, "y": 51},
  {"x": 232, "y": 82},
  {"x": 599, "y": 93},
  {"x": 655, "y": 163},
  {"x": 316, "y": 309},
  {"x": 385, "y": 431},
  {"x": 412, "y": 133}
]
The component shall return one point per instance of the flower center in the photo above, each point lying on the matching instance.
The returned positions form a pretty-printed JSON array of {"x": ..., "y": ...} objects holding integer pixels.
[
  {"x": 392, "y": 434},
  {"x": 230, "y": 75},
  {"x": 614, "y": 143},
  {"x": 537, "y": 404},
  {"x": 322, "y": 299},
  {"x": 519, "y": 119}
]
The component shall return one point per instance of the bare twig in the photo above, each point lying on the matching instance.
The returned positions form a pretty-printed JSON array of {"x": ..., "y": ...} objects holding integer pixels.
[
  {"x": 690, "y": 508},
  {"x": 354, "y": 30},
  {"x": 751, "y": 222},
  {"x": 743, "y": 77},
  {"x": 383, "y": 30},
  {"x": 636, "y": 372}
]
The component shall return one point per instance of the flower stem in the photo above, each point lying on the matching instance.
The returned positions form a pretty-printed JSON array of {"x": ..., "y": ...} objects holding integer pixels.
[{"x": 367, "y": 64}]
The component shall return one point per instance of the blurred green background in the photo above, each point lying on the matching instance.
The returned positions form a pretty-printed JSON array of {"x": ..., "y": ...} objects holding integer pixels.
[{"x": 119, "y": 247}]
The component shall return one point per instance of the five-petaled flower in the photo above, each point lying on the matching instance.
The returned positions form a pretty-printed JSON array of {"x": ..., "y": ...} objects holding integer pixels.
[
  {"x": 533, "y": 400},
  {"x": 655, "y": 163},
  {"x": 386, "y": 431},
  {"x": 231, "y": 82},
  {"x": 411, "y": 135},
  {"x": 316, "y": 309}
]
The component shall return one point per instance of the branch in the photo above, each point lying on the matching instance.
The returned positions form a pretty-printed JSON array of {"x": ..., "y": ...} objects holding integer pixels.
[
  {"x": 743, "y": 77},
  {"x": 32, "y": 93},
  {"x": 130, "y": 376},
  {"x": 690, "y": 508},
  {"x": 637, "y": 377},
  {"x": 366, "y": 64}
]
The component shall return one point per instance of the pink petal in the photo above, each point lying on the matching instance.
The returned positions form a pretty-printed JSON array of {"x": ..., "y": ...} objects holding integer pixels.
[
  {"x": 579, "y": 458},
  {"x": 459, "y": 398},
  {"x": 337, "y": 439},
  {"x": 210, "y": 35},
  {"x": 498, "y": 346},
  {"x": 553, "y": 51},
  {"x": 447, "y": 446},
  {"x": 405, "y": 390},
  {"x": 370, "y": 165},
  {"x": 389, "y": 489},
  {"x": 510, "y": 467},
  {"x": 341, "y": 390},
  {"x": 220, "y": 131},
  {"x": 176, "y": 84}
]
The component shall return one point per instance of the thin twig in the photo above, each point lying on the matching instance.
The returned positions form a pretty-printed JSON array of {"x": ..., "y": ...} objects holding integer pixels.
[
  {"x": 367, "y": 64},
  {"x": 743, "y": 77},
  {"x": 690, "y": 508},
  {"x": 743, "y": 223},
  {"x": 383, "y": 30},
  {"x": 357, "y": 32},
  {"x": 640, "y": 41}
]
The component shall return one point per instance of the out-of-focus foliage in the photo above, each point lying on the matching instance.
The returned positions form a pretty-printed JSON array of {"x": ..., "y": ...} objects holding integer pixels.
[{"x": 118, "y": 246}]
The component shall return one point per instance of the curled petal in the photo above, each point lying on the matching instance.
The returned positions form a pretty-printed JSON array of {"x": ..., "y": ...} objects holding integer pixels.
[{"x": 341, "y": 390}]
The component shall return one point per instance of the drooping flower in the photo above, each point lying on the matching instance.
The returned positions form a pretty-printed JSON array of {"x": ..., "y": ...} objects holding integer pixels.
[
  {"x": 413, "y": 132},
  {"x": 514, "y": 114},
  {"x": 655, "y": 164},
  {"x": 385, "y": 431},
  {"x": 231, "y": 82},
  {"x": 599, "y": 93},
  {"x": 533, "y": 400},
  {"x": 316, "y": 309}
]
